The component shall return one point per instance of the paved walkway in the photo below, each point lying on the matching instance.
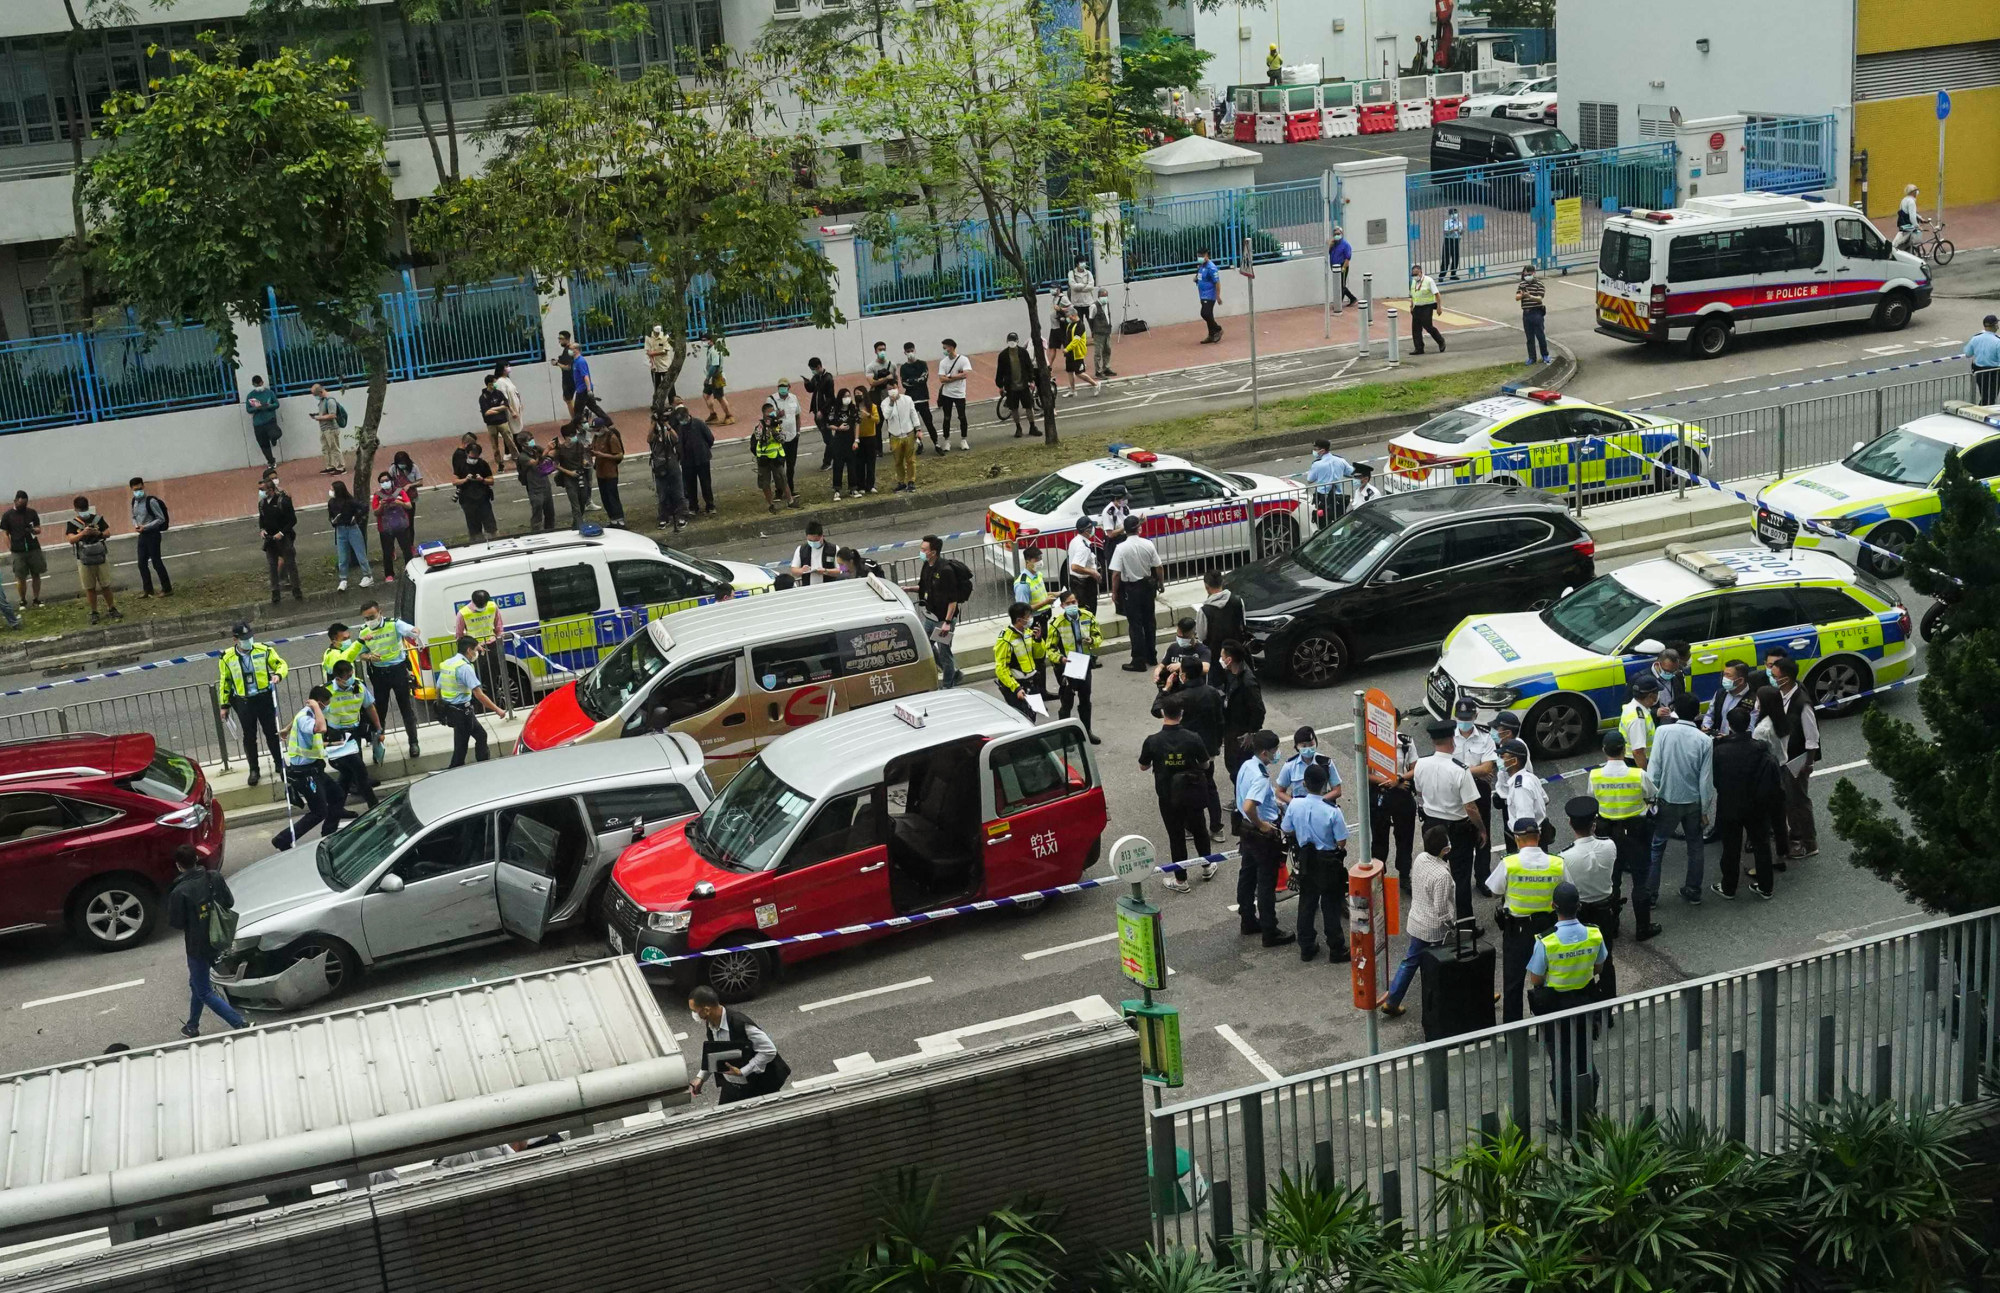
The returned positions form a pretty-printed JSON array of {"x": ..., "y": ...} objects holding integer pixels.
[{"x": 1968, "y": 227}]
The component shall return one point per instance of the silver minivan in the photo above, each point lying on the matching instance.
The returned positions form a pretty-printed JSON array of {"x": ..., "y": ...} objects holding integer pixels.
[{"x": 516, "y": 846}]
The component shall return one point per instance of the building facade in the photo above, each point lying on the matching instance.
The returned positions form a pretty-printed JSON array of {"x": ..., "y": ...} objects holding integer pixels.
[{"x": 1358, "y": 41}]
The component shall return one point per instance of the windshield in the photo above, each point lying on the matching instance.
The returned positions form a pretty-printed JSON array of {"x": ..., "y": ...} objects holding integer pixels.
[
  {"x": 168, "y": 778},
  {"x": 1625, "y": 257},
  {"x": 346, "y": 858},
  {"x": 1542, "y": 143},
  {"x": 1349, "y": 548},
  {"x": 619, "y": 676},
  {"x": 1900, "y": 458},
  {"x": 1455, "y": 426},
  {"x": 714, "y": 570},
  {"x": 1047, "y": 494},
  {"x": 1600, "y": 615},
  {"x": 742, "y": 829}
]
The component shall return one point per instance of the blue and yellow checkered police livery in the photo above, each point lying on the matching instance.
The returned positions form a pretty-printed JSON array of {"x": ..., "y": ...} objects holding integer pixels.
[
  {"x": 1567, "y": 669},
  {"x": 1884, "y": 493},
  {"x": 1542, "y": 439}
]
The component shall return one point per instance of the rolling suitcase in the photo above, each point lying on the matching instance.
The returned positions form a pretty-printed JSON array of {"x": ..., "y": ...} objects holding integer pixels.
[{"x": 1458, "y": 986}]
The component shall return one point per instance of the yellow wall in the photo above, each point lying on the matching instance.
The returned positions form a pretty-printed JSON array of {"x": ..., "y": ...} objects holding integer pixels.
[
  {"x": 1884, "y": 25},
  {"x": 1900, "y": 136}
]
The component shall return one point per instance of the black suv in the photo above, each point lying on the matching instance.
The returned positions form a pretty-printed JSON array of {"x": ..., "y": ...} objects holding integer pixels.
[{"x": 1396, "y": 574}]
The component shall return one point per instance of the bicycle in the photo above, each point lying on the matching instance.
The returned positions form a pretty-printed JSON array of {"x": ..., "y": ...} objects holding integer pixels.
[
  {"x": 1031, "y": 411},
  {"x": 1930, "y": 244}
]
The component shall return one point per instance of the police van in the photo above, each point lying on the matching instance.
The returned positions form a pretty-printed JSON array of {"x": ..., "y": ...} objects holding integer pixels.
[
  {"x": 1749, "y": 262},
  {"x": 563, "y": 597}
]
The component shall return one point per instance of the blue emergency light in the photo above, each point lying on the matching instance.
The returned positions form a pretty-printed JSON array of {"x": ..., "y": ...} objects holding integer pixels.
[{"x": 590, "y": 529}]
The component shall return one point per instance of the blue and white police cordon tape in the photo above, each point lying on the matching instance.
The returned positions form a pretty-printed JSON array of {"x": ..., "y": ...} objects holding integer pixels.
[
  {"x": 1793, "y": 386},
  {"x": 195, "y": 658}
]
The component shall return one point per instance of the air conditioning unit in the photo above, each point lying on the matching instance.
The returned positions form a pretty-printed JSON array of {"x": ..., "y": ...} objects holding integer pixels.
[{"x": 1243, "y": 33}]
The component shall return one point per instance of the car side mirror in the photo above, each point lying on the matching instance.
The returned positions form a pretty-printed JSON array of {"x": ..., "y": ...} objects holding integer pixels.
[
  {"x": 1649, "y": 646},
  {"x": 1567, "y": 591},
  {"x": 390, "y": 884},
  {"x": 702, "y": 890},
  {"x": 1387, "y": 577},
  {"x": 659, "y": 719}
]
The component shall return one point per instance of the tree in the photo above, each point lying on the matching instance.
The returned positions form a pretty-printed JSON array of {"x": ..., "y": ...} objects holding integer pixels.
[
  {"x": 1158, "y": 62},
  {"x": 1947, "y": 784},
  {"x": 662, "y": 170},
  {"x": 986, "y": 107},
  {"x": 230, "y": 181}
]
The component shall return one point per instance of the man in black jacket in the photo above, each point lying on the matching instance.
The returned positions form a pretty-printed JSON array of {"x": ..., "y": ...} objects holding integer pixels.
[
  {"x": 278, "y": 526},
  {"x": 1202, "y": 713},
  {"x": 1242, "y": 709},
  {"x": 1748, "y": 794},
  {"x": 915, "y": 375},
  {"x": 1220, "y": 617},
  {"x": 821, "y": 404},
  {"x": 697, "y": 443},
  {"x": 1014, "y": 374},
  {"x": 194, "y": 890},
  {"x": 742, "y": 1056}
]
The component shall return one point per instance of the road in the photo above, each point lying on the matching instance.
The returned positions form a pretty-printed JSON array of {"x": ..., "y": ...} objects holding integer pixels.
[{"x": 983, "y": 978}]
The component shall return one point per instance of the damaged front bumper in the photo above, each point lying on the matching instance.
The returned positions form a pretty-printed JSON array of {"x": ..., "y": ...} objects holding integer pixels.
[{"x": 302, "y": 982}]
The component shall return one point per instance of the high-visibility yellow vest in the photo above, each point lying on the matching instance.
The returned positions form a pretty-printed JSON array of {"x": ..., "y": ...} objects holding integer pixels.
[
  {"x": 344, "y": 710},
  {"x": 1531, "y": 889},
  {"x": 451, "y": 688},
  {"x": 1636, "y": 711},
  {"x": 766, "y": 444},
  {"x": 1014, "y": 656},
  {"x": 297, "y": 751},
  {"x": 382, "y": 644},
  {"x": 1571, "y": 966},
  {"x": 349, "y": 650},
  {"x": 1030, "y": 587},
  {"x": 480, "y": 623},
  {"x": 1620, "y": 795},
  {"x": 1423, "y": 292},
  {"x": 266, "y": 667},
  {"x": 1082, "y": 636}
]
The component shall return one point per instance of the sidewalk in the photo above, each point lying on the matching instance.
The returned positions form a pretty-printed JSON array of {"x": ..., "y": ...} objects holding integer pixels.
[{"x": 1969, "y": 228}]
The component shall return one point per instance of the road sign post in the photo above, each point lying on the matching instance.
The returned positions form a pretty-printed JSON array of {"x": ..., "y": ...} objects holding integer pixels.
[
  {"x": 1142, "y": 958},
  {"x": 1246, "y": 265},
  {"x": 1943, "y": 111}
]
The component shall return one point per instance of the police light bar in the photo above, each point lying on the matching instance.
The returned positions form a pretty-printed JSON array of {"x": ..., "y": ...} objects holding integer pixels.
[
  {"x": 1702, "y": 564},
  {"x": 909, "y": 714},
  {"x": 1989, "y": 414},
  {"x": 1132, "y": 453},
  {"x": 590, "y": 530},
  {"x": 1657, "y": 217},
  {"x": 434, "y": 552},
  {"x": 1538, "y": 394}
]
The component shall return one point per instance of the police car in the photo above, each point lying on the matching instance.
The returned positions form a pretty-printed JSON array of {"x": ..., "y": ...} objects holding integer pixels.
[
  {"x": 1567, "y": 667},
  {"x": 1885, "y": 492},
  {"x": 1528, "y": 436},
  {"x": 1189, "y": 512}
]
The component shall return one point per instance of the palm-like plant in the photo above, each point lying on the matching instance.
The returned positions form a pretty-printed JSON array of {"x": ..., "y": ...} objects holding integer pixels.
[
  {"x": 1175, "y": 1270},
  {"x": 1321, "y": 1235},
  {"x": 1010, "y": 1250},
  {"x": 1486, "y": 1186}
]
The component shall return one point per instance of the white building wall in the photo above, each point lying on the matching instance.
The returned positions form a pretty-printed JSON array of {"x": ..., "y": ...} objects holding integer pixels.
[{"x": 1239, "y": 35}]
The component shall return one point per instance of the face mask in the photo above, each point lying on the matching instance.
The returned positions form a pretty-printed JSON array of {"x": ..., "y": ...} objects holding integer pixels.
[
  {"x": 1466, "y": 725},
  {"x": 244, "y": 644},
  {"x": 1074, "y": 612},
  {"x": 1307, "y": 753},
  {"x": 373, "y": 621},
  {"x": 696, "y": 1016},
  {"x": 386, "y": 486},
  {"x": 138, "y": 493}
]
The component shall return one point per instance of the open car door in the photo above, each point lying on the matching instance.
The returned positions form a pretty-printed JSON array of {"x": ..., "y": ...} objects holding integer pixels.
[{"x": 524, "y": 881}]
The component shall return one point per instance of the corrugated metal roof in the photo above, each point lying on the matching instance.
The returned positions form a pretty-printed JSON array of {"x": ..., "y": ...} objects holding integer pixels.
[{"x": 1905, "y": 72}]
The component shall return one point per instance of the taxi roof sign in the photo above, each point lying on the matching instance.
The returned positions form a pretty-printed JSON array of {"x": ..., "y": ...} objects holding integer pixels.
[
  {"x": 1986, "y": 413},
  {"x": 909, "y": 713},
  {"x": 1709, "y": 568}
]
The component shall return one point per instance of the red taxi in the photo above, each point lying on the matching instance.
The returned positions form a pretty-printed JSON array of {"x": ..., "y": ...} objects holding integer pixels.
[{"x": 932, "y": 802}]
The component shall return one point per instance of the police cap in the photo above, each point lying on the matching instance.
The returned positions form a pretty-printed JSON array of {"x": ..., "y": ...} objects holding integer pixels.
[
  {"x": 1438, "y": 729},
  {"x": 1527, "y": 826},
  {"x": 1567, "y": 900},
  {"x": 1466, "y": 707},
  {"x": 1614, "y": 743},
  {"x": 1645, "y": 685},
  {"x": 1582, "y": 808},
  {"x": 1519, "y": 749},
  {"x": 240, "y": 629},
  {"x": 1508, "y": 719}
]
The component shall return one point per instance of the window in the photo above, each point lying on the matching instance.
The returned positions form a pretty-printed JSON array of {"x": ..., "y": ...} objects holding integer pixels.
[
  {"x": 1694, "y": 257},
  {"x": 695, "y": 690},
  {"x": 565, "y": 591},
  {"x": 1857, "y": 238},
  {"x": 1139, "y": 488},
  {"x": 1597, "y": 125},
  {"x": 844, "y": 825},
  {"x": 648, "y": 583},
  {"x": 84, "y": 813},
  {"x": 1423, "y": 555},
  {"x": 611, "y": 809},
  {"x": 1489, "y": 540},
  {"x": 25, "y": 816},
  {"x": 1047, "y": 494},
  {"x": 1827, "y": 606},
  {"x": 1537, "y": 428},
  {"x": 1982, "y": 460},
  {"x": 1179, "y": 488},
  {"x": 1685, "y": 623},
  {"x": 541, "y": 837},
  {"x": 1597, "y": 422},
  {"x": 780, "y": 666},
  {"x": 1786, "y": 247},
  {"x": 1750, "y": 611},
  {"x": 451, "y": 847},
  {"x": 1039, "y": 769},
  {"x": 1625, "y": 257}
]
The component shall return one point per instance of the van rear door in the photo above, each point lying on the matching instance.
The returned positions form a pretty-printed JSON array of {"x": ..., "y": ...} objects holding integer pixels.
[
  {"x": 572, "y": 597},
  {"x": 1624, "y": 282}
]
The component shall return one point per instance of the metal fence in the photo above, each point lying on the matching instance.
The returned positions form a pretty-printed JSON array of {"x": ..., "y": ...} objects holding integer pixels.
[
  {"x": 432, "y": 331},
  {"x": 964, "y": 266},
  {"x": 109, "y": 373},
  {"x": 1906, "y": 1017},
  {"x": 1790, "y": 154},
  {"x": 616, "y": 311},
  {"x": 1166, "y": 236}
]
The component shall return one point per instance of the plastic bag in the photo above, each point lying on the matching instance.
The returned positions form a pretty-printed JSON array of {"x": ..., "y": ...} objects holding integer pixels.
[{"x": 232, "y": 729}]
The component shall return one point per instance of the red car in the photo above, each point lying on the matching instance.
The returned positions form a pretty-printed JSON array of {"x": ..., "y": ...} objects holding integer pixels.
[{"x": 88, "y": 828}]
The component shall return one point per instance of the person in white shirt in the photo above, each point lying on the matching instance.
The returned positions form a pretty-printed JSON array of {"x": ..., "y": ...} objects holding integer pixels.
[
  {"x": 729, "y": 1035},
  {"x": 813, "y": 561},
  {"x": 1519, "y": 795},
  {"x": 952, "y": 371},
  {"x": 1908, "y": 222},
  {"x": 1448, "y": 796},
  {"x": 899, "y": 427},
  {"x": 1136, "y": 577},
  {"x": 503, "y": 382},
  {"x": 1084, "y": 575},
  {"x": 788, "y": 431},
  {"x": 1591, "y": 864},
  {"x": 1475, "y": 747},
  {"x": 659, "y": 358},
  {"x": 1365, "y": 488},
  {"x": 1801, "y": 752},
  {"x": 1082, "y": 284}
]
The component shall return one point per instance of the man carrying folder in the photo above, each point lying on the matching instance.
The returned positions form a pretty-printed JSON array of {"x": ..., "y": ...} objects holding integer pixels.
[{"x": 742, "y": 1056}]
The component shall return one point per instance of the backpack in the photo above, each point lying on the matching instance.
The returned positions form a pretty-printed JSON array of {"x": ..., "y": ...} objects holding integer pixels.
[
  {"x": 339, "y": 414},
  {"x": 963, "y": 574},
  {"x": 166, "y": 519}
]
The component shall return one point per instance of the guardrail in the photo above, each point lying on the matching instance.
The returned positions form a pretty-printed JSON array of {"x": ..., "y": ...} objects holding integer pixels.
[
  {"x": 1906, "y": 1017},
  {"x": 109, "y": 373}
]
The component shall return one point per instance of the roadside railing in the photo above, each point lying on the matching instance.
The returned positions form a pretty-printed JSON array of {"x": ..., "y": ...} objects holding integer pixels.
[
  {"x": 108, "y": 373},
  {"x": 1904, "y": 1017},
  {"x": 432, "y": 331}
]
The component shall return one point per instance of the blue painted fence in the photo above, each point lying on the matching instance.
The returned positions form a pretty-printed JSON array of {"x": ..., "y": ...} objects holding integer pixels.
[
  {"x": 110, "y": 373},
  {"x": 1791, "y": 155},
  {"x": 898, "y": 275},
  {"x": 615, "y": 312},
  {"x": 432, "y": 332},
  {"x": 1166, "y": 236}
]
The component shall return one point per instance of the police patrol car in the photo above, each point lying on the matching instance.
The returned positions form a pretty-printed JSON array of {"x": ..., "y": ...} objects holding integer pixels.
[
  {"x": 1187, "y": 511},
  {"x": 1885, "y": 492},
  {"x": 1527, "y": 436},
  {"x": 1567, "y": 667}
]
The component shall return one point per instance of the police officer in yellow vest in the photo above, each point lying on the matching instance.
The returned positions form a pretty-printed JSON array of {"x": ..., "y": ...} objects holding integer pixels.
[
  {"x": 248, "y": 676},
  {"x": 1527, "y": 879},
  {"x": 1563, "y": 973},
  {"x": 479, "y": 619},
  {"x": 459, "y": 696},
  {"x": 1619, "y": 789},
  {"x": 1636, "y": 722},
  {"x": 339, "y": 646},
  {"x": 306, "y": 778},
  {"x": 1018, "y": 653},
  {"x": 1423, "y": 309},
  {"x": 350, "y": 717},
  {"x": 385, "y": 646},
  {"x": 1073, "y": 632}
]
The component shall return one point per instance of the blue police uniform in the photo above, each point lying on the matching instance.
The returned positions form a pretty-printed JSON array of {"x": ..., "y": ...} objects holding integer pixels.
[
  {"x": 1263, "y": 854},
  {"x": 1320, "y": 863}
]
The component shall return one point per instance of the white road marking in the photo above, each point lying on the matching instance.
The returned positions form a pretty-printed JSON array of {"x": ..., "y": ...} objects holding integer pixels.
[
  {"x": 1843, "y": 767},
  {"x": 1843, "y": 935},
  {"x": 1782, "y": 371},
  {"x": 87, "y": 992},
  {"x": 1890, "y": 350},
  {"x": 1070, "y": 947},
  {"x": 1678, "y": 389},
  {"x": 1578, "y": 285},
  {"x": 1744, "y": 378},
  {"x": 1651, "y": 394},
  {"x": 1244, "y": 1049},
  {"x": 1831, "y": 363},
  {"x": 884, "y": 990},
  {"x": 1085, "y": 1010}
]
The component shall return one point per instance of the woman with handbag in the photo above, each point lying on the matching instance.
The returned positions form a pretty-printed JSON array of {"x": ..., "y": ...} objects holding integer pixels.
[{"x": 394, "y": 523}]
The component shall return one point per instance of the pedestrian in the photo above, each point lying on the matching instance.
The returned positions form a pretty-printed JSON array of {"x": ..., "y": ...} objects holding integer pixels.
[
  {"x": 1526, "y": 878},
  {"x": 915, "y": 375},
  {"x": 659, "y": 358},
  {"x": 1220, "y": 617},
  {"x": 1137, "y": 576},
  {"x": 952, "y": 372},
  {"x": 787, "y": 405},
  {"x": 1749, "y": 792},
  {"x": 1274, "y": 66},
  {"x": 867, "y": 442},
  {"x": 1393, "y": 810},
  {"x": 460, "y": 698},
  {"x": 386, "y": 644},
  {"x": 572, "y": 462},
  {"x": 493, "y": 415},
  {"x": 1073, "y": 642},
  {"x": 1018, "y": 656},
  {"x": 1076, "y": 353},
  {"x": 1563, "y": 973},
  {"x": 351, "y": 718},
  {"x": 1014, "y": 373},
  {"x": 1082, "y": 283},
  {"x": 1454, "y": 229},
  {"x": 195, "y": 893},
  {"x": 822, "y": 401},
  {"x": 838, "y": 427},
  {"x": 879, "y": 371},
  {"x": 1519, "y": 793},
  {"x": 1591, "y": 864},
  {"x": 741, "y": 1056},
  {"x": 503, "y": 381},
  {"x": 1477, "y": 749},
  {"x": 1317, "y": 831},
  {"x": 1423, "y": 309},
  {"x": 307, "y": 780},
  {"x": 536, "y": 471},
  {"x": 149, "y": 523},
  {"x": 1325, "y": 474},
  {"x": 1180, "y": 762},
  {"x": 586, "y": 391},
  {"x": 247, "y": 677},
  {"x": 1202, "y": 710},
  {"x": 1429, "y": 917},
  {"x": 1099, "y": 316},
  {"x": 697, "y": 451},
  {"x": 1052, "y": 348},
  {"x": 1801, "y": 752},
  {"x": 850, "y": 564},
  {"x": 1984, "y": 352},
  {"x": 944, "y": 585},
  {"x": 474, "y": 480},
  {"x": 23, "y": 527},
  {"x": 395, "y": 522},
  {"x": 813, "y": 561},
  {"x": 1340, "y": 256},
  {"x": 262, "y": 405},
  {"x": 767, "y": 451},
  {"x": 663, "y": 460},
  {"x": 1533, "y": 297},
  {"x": 1208, "y": 289},
  {"x": 1448, "y": 796},
  {"x": 1775, "y": 730},
  {"x": 1681, "y": 781},
  {"x": 607, "y": 453},
  {"x": 88, "y": 534},
  {"x": 715, "y": 387},
  {"x": 1908, "y": 222},
  {"x": 1365, "y": 488},
  {"x": 350, "y": 551},
  {"x": 1242, "y": 704},
  {"x": 1619, "y": 791},
  {"x": 1083, "y": 576},
  {"x": 899, "y": 428},
  {"x": 564, "y": 359},
  {"x": 1263, "y": 841},
  {"x": 331, "y": 416}
]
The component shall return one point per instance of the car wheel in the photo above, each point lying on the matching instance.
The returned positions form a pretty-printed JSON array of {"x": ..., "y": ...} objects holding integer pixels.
[
  {"x": 1893, "y": 313},
  {"x": 1835, "y": 680},
  {"x": 1559, "y": 727},
  {"x": 1276, "y": 534},
  {"x": 343, "y": 967},
  {"x": 1317, "y": 659},
  {"x": 1684, "y": 459},
  {"x": 1710, "y": 338},
  {"x": 1896, "y": 537},
  {"x": 737, "y": 974},
  {"x": 1936, "y": 623},
  {"x": 114, "y": 912}
]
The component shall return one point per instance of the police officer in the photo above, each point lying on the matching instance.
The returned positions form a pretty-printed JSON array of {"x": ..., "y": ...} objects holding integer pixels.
[
  {"x": 1448, "y": 796},
  {"x": 1506, "y": 726},
  {"x": 1394, "y": 806},
  {"x": 385, "y": 645},
  {"x": 306, "y": 778},
  {"x": 1073, "y": 632},
  {"x": 350, "y": 717},
  {"x": 1480, "y": 753},
  {"x": 1619, "y": 791},
  {"x": 1018, "y": 656},
  {"x": 339, "y": 646},
  {"x": 1563, "y": 973},
  {"x": 1637, "y": 720},
  {"x": 1182, "y": 782},
  {"x": 248, "y": 675},
  {"x": 1527, "y": 879},
  {"x": 1305, "y": 756},
  {"x": 479, "y": 619},
  {"x": 1520, "y": 793},
  {"x": 1318, "y": 833},
  {"x": 459, "y": 698},
  {"x": 1263, "y": 841},
  {"x": 1591, "y": 864},
  {"x": 1030, "y": 587}
]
